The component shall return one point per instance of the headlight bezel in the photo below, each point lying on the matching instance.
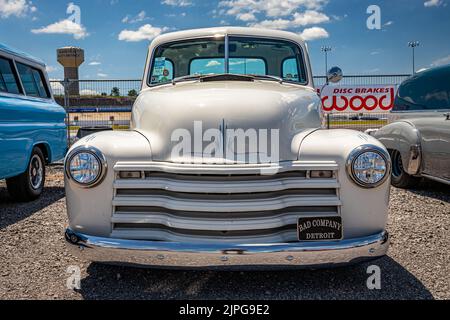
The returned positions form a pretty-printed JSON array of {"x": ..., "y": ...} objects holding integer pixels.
[
  {"x": 355, "y": 154},
  {"x": 98, "y": 155}
]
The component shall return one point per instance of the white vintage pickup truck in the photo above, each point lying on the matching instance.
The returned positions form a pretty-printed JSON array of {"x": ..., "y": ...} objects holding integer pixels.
[{"x": 226, "y": 165}]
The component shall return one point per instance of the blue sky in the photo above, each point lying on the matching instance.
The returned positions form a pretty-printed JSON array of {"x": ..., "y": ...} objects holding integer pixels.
[{"x": 115, "y": 33}]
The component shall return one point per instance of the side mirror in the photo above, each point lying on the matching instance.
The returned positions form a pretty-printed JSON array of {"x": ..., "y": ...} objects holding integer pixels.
[{"x": 335, "y": 75}]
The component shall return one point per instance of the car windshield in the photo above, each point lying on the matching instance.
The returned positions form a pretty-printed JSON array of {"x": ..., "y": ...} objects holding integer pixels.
[
  {"x": 425, "y": 91},
  {"x": 246, "y": 56}
]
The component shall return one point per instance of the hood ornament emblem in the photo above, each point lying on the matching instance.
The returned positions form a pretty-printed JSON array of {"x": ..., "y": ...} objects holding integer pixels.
[{"x": 223, "y": 129}]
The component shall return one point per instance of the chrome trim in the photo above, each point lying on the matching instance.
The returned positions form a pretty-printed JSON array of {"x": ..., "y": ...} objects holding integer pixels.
[
  {"x": 225, "y": 255},
  {"x": 359, "y": 151},
  {"x": 415, "y": 159},
  {"x": 97, "y": 154},
  {"x": 225, "y": 169},
  {"x": 437, "y": 179}
]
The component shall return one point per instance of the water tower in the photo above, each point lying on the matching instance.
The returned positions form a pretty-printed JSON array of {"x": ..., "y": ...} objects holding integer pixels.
[{"x": 71, "y": 58}]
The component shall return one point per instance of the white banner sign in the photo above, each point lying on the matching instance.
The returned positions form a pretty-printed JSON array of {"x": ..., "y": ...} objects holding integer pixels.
[{"x": 358, "y": 99}]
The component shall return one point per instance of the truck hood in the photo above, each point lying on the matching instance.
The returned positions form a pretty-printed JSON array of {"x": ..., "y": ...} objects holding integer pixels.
[{"x": 169, "y": 115}]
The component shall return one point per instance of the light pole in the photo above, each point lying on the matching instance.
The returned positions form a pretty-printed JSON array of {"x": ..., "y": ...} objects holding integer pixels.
[
  {"x": 326, "y": 49},
  {"x": 414, "y": 45}
]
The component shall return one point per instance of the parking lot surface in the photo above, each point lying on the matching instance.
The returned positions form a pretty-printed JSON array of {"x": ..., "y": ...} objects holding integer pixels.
[{"x": 34, "y": 263}]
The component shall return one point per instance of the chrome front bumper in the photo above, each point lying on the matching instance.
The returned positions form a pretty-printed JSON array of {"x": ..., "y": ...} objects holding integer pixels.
[{"x": 239, "y": 256}]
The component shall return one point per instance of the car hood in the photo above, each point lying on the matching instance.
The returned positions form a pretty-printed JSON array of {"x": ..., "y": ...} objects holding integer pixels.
[{"x": 168, "y": 114}]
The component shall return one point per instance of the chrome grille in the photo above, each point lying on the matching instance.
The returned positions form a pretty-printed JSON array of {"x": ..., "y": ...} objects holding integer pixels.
[{"x": 232, "y": 203}]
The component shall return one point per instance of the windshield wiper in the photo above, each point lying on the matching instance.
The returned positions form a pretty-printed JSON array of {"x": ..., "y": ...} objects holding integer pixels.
[
  {"x": 267, "y": 77},
  {"x": 187, "y": 78},
  {"x": 227, "y": 77}
]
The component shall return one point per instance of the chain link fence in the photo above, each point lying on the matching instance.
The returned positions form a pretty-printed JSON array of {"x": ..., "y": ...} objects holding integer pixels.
[
  {"x": 356, "y": 121},
  {"x": 107, "y": 103},
  {"x": 365, "y": 80},
  {"x": 104, "y": 104}
]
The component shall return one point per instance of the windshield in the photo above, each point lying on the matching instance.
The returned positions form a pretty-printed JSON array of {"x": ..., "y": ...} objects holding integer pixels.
[
  {"x": 425, "y": 91},
  {"x": 246, "y": 56}
]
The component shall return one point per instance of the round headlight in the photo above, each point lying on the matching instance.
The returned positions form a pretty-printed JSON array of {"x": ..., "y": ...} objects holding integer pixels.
[
  {"x": 369, "y": 166},
  {"x": 86, "y": 166}
]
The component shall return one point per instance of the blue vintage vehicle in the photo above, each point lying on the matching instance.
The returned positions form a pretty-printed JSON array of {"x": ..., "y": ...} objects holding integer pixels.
[{"x": 32, "y": 124}]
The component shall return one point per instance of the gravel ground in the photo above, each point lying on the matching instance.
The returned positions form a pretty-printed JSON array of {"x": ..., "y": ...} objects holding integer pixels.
[{"x": 34, "y": 262}]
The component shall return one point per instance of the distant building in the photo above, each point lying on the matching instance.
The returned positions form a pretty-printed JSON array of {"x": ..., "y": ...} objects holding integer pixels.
[{"x": 71, "y": 58}]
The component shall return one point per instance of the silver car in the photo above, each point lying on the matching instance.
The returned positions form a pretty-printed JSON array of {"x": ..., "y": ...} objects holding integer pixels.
[{"x": 419, "y": 138}]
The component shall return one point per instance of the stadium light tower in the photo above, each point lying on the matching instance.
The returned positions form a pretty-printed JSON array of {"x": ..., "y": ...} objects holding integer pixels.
[
  {"x": 326, "y": 49},
  {"x": 414, "y": 45}
]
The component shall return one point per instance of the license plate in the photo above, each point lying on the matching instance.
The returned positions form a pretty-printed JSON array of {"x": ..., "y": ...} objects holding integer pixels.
[{"x": 320, "y": 229}]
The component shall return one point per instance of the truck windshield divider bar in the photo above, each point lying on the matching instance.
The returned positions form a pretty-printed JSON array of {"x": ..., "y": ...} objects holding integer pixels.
[{"x": 227, "y": 54}]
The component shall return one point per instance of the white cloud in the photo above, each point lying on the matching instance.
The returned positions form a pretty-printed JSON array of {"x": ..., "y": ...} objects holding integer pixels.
[
  {"x": 271, "y": 8},
  {"x": 141, "y": 16},
  {"x": 240, "y": 62},
  {"x": 299, "y": 20},
  {"x": 309, "y": 17},
  {"x": 95, "y": 63},
  {"x": 213, "y": 63},
  {"x": 273, "y": 24},
  {"x": 50, "y": 69},
  {"x": 433, "y": 3},
  {"x": 64, "y": 27},
  {"x": 146, "y": 32},
  {"x": 314, "y": 34},
  {"x": 17, "y": 8},
  {"x": 102, "y": 75},
  {"x": 177, "y": 3},
  {"x": 441, "y": 61},
  {"x": 246, "y": 17}
]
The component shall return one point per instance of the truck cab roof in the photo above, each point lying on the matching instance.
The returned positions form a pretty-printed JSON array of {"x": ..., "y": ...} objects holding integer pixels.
[{"x": 20, "y": 54}]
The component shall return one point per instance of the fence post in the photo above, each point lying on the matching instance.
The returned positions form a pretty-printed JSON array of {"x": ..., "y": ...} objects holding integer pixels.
[
  {"x": 328, "y": 121},
  {"x": 66, "y": 84}
]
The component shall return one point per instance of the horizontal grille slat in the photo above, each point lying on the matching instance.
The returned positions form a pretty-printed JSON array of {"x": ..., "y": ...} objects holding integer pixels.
[
  {"x": 224, "y": 206},
  {"x": 225, "y": 197},
  {"x": 226, "y": 178},
  {"x": 163, "y": 235},
  {"x": 207, "y": 233},
  {"x": 213, "y": 223},
  {"x": 225, "y": 170},
  {"x": 225, "y": 186},
  {"x": 303, "y": 211}
]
